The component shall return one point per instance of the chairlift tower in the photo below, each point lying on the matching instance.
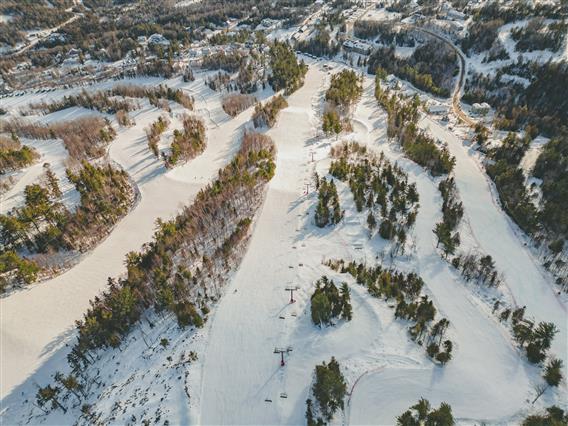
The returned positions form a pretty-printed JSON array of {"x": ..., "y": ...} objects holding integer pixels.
[
  {"x": 282, "y": 351},
  {"x": 292, "y": 289}
]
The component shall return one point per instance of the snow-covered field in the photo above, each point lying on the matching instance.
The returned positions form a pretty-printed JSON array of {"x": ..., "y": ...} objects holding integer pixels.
[{"x": 237, "y": 378}]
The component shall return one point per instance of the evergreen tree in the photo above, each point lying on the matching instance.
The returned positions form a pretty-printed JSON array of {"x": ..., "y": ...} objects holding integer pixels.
[
  {"x": 329, "y": 388},
  {"x": 553, "y": 372}
]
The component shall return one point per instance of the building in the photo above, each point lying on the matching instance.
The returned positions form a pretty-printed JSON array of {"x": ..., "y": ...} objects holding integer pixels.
[
  {"x": 357, "y": 47},
  {"x": 480, "y": 109},
  {"x": 158, "y": 39}
]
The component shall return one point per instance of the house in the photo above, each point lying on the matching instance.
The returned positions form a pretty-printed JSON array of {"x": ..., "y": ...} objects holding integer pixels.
[
  {"x": 357, "y": 47},
  {"x": 480, "y": 109},
  {"x": 158, "y": 39}
]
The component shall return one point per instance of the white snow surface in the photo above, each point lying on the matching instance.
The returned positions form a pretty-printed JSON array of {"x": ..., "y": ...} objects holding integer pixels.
[
  {"x": 488, "y": 378},
  {"x": 52, "y": 307}
]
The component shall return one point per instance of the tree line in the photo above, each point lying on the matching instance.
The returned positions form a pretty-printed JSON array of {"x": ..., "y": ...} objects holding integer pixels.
[
  {"x": 84, "y": 138},
  {"x": 402, "y": 124},
  {"x": 44, "y": 225},
  {"x": 405, "y": 290}
]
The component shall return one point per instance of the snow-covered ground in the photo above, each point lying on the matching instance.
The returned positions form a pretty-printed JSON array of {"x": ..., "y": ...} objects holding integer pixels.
[
  {"x": 52, "y": 152},
  {"x": 51, "y": 307},
  {"x": 487, "y": 380},
  {"x": 238, "y": 378}
]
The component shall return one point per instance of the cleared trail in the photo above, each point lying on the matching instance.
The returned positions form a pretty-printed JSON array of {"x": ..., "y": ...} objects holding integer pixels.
[
  {"x": 486, "y": 379},
  {"x": 492, "y": 228},
  {"x": 38, "y": 321}
]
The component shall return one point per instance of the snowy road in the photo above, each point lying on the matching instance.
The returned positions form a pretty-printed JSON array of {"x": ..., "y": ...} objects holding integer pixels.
[{"x": 36, "y": 322}]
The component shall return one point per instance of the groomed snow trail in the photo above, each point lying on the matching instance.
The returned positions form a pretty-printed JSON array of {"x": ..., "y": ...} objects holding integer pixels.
[
  {"x": 493, "y": 229},
  {"x": 242, "y": 379},
  {"x": 38, "y": 321},
  {"x": 486, "y": 379}
]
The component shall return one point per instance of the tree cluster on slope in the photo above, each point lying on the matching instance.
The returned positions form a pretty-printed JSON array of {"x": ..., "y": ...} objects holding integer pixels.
[
  {"x": 405, "y": 289},
  {"x": 452, "y": 212},
  {"x": 287, "y": 73},
  {"x": 423, "y": 413},
  {"x": 267, "y": 114},
  {"x": 153, "y": 134},
  {"x": 329, "y": 391},
  {"x": 44, "y": 225},
  {"x": 189, "y": 143},
  {"x": 402, "y": 124},
  {"x": 328, "y": 210},
  {"x": 344, "y": 90},
  {"x": 379, "y": 186},
  {"x": 14, "y": 156},
  {"x": 554, "y": 416},
  {"x": 328, "y": 303},
  {"x": 477, "y": 267},
  {"x": 236, "y": 103}
]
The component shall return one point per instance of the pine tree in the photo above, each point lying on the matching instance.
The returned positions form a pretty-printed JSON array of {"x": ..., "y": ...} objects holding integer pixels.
[
  {"x": 553, "y": 372},
  {"x": 347, "y": 310}
]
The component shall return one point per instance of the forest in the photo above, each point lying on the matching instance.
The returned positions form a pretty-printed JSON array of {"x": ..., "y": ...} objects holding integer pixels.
[
  {"x": 432, "y": 67},
  {"x": 320, "y": 44},
  {"x": 542, "y": 104},
  {"x": 402, "y": 125},
  {"x": 287, "y": 73},
  {"x": 537, "y": 35},
  {"x": 385, "y": 32}
]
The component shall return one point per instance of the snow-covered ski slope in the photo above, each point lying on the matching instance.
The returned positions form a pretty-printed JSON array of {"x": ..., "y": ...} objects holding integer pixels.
[
  {"x": 487, "y": 380},
  {"x": 38, "y": 321},
  {"x": 240, "y": 380}
]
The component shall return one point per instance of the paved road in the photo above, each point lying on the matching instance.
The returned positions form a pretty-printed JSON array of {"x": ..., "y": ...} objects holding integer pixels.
[{"x": 456, "y": 96}]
